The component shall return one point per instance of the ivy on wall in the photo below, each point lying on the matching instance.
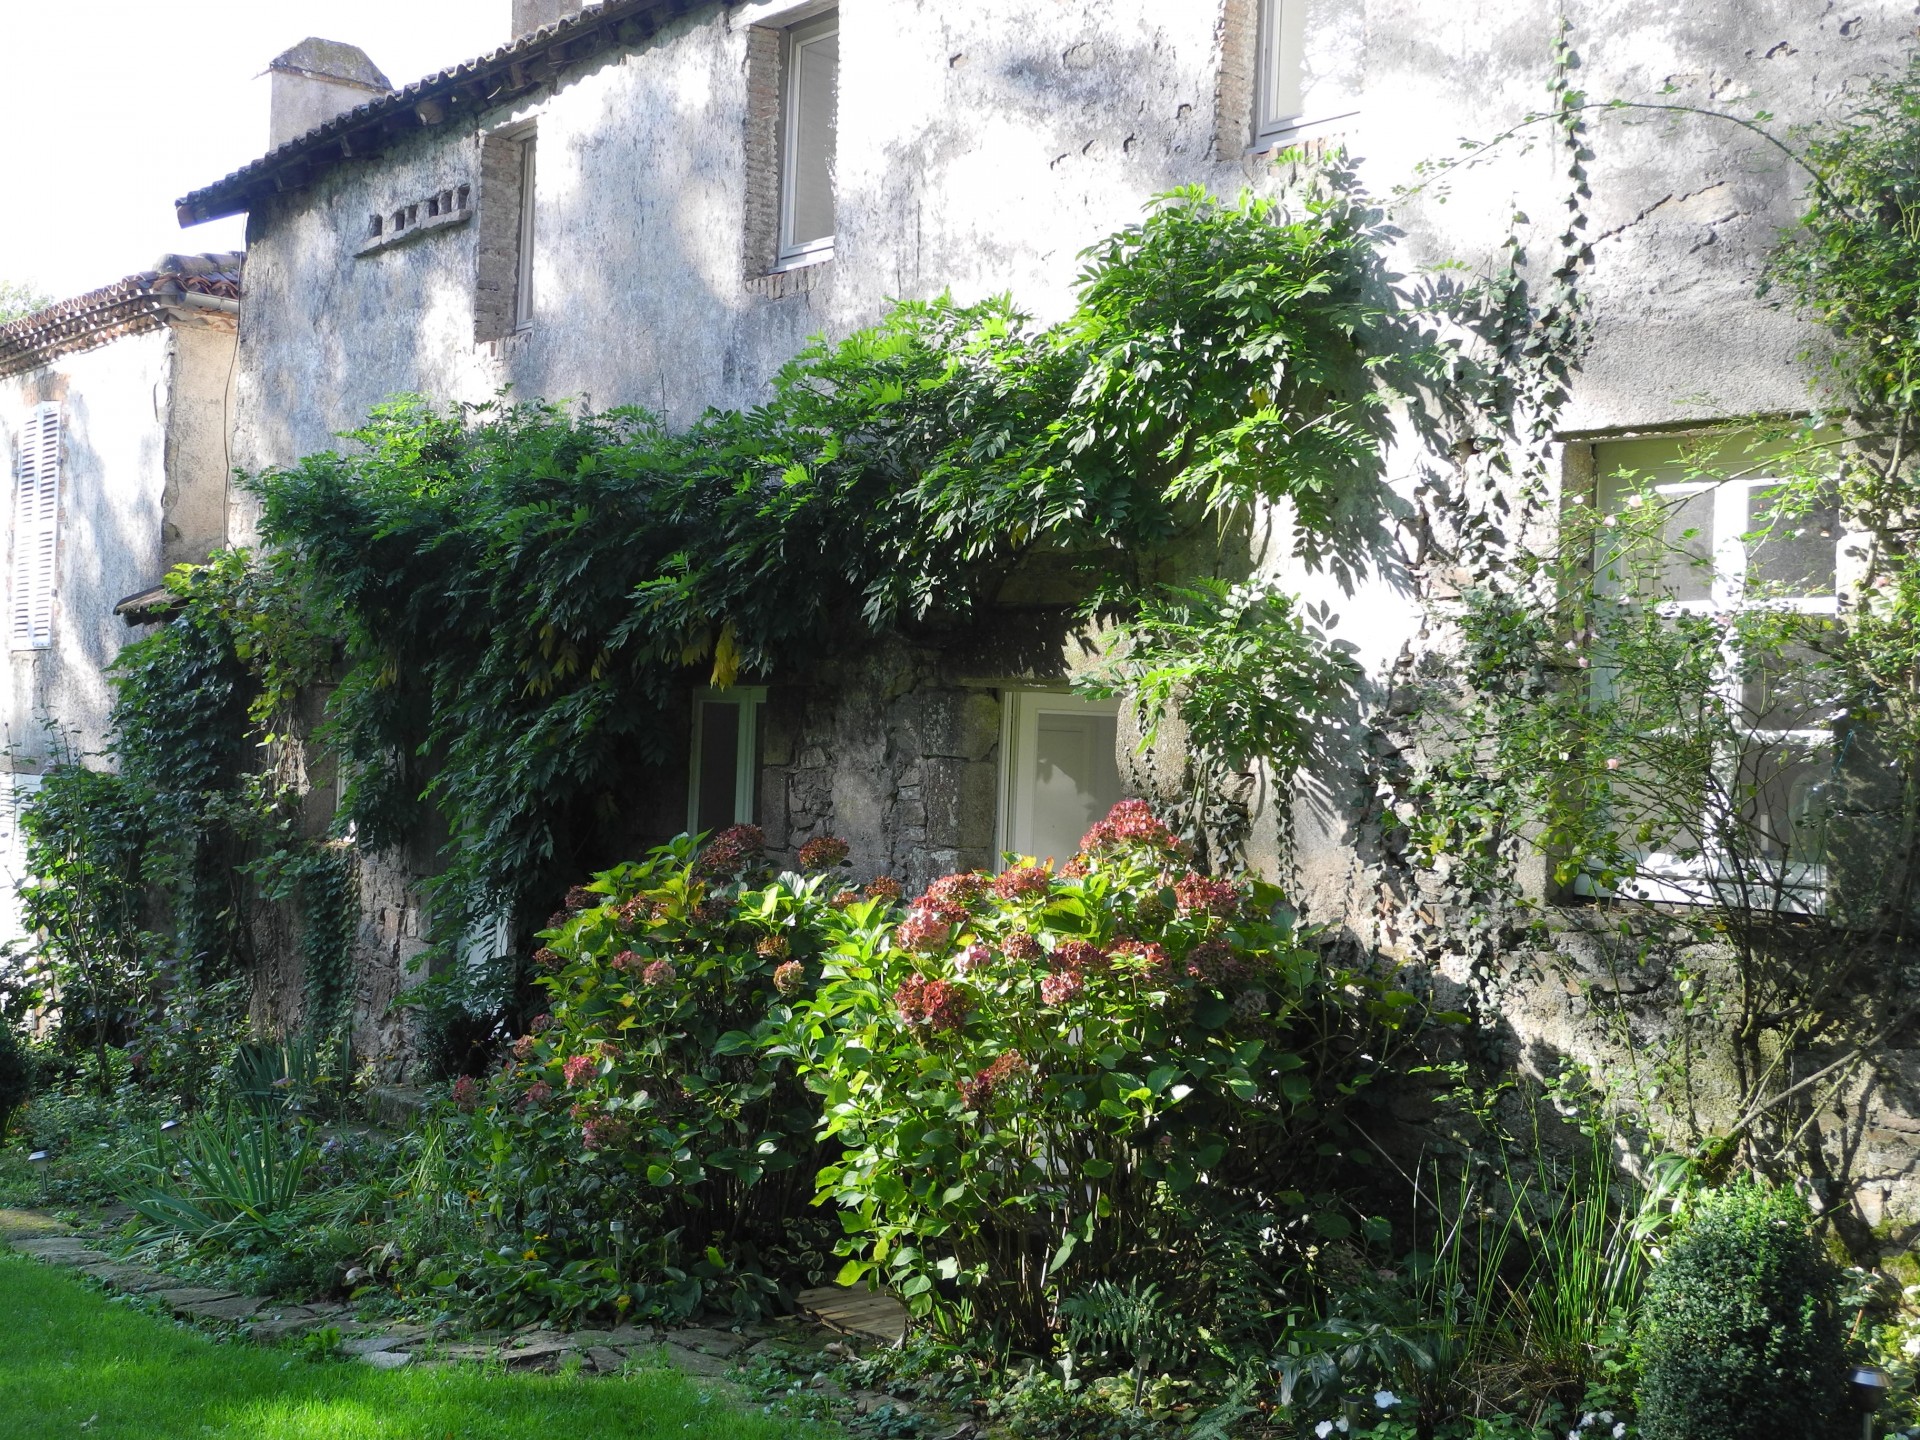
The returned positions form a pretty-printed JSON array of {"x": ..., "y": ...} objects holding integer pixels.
[{"x": 524, "y": 593}]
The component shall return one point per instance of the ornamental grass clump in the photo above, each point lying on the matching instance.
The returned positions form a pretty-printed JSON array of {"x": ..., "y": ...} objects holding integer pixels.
[
  {"x": 1039, "y": 1079},
  {"x": 639, "y": 1143}
]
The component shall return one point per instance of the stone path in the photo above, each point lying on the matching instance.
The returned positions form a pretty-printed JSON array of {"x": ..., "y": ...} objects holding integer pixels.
[{"x": 715, "y": 1356}]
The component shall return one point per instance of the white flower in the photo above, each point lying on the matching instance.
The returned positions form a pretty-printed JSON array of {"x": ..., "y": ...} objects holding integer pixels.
[
  {"x": 1586, "y": 1419},
  {"x": 1606, "y": 1417},
  {"x": 1619, "y": 1430},
  {"x": 1385, "y": 1399},
  {"x": 1341, "y": 1424},
  {"x": 1323, "y": 1429}
]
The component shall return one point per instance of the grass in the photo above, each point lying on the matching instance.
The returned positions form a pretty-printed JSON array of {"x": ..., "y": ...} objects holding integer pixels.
[{"x": 73, "y": 1363}]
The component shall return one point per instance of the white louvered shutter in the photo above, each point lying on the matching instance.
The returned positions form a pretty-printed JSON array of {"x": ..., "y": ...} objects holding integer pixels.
[{"x": 36, "y": 515}]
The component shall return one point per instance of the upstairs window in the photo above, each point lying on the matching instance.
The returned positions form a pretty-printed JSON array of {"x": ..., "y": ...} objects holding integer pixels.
[
  {"x": 810, "y": 93},
  {"x": 1279, "y": 69},
  {"x": 723, "y": 780},
  {"x": 1058, "y": 772},
  {"x": 506, "y": 244},
  {"x": 36, "y": 517}
]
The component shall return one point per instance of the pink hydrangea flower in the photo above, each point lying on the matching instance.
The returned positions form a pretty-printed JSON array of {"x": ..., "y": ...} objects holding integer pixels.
[
  {"x": 466, "y": 1094},
  {"x": 1202, "y": 895},
  {"x": 1021, "y": 945},
  {"x": 975, "y": 957},
  {"x": 577, "y": 1068},
  {"x": 1010, "y": 1066},
  {"x": 1131, "y": 822},
  {"x": 1024, "y": 882},
  {"x": 660, "y": 972},
  {"x": 1062, "y": 986},
  {"x": 932, "y": 1004},
  {"x": 823, "y": 852},
  {"x": 790, "y": 979}
]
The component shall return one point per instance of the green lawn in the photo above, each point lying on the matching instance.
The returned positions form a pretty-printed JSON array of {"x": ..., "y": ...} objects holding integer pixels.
[{"x": 73, "y": 1364}]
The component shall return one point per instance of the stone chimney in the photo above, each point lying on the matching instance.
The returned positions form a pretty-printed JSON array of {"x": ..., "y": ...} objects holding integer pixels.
[
  {"x": 530, "y": 15},
  {"x": 315, "y": 81}
]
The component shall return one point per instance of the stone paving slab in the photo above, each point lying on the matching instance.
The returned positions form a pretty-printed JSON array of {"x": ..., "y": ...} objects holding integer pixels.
[
  {"x": 693, "y": 1362},
  {"x": 537, "y": 1353},
  {"x": 282, "y": 1327},
  {"x": 180, "y": 1300},
  {"x": 61, "y": 1250},
  {"x": 605, "y": 1360},
  {"x": 130, "y": 1278},
  {"x": 387, "y": 1359},
  {"x": 238, "y": 1307},
  {"x": 707, "y": 1342},
  {"x": 366, "y": 1345},
  {"x": 28, "y": 1224}
]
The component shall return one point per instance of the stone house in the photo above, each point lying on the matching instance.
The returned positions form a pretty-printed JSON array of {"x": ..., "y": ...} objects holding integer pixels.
[
  {"x": 656, "y": 202},
  {"x": 116, "y": 413}
]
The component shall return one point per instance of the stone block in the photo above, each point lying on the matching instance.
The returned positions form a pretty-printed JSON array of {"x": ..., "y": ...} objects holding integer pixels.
[
  {"x": 961, "y": 724},
  {"x": 387, "y": 1359},
  {"x": 130, "y": 1278},
  {"x": 62, "y": 1250},
  {"x": 238, "y": 1307},
  {"x": 605, "y": 1360},
  {"x": 537, "y": 1352},
  {"x": 180, "y": 1300},
  {"x": 707, "y": 1342},
  {"x": 692, "y": 1362}
]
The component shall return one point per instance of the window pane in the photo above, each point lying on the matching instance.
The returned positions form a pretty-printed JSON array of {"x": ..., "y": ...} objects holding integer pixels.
[
  {"x": 815, "y": 79},
  {"x": 1685, "y": 571},
  {"x": 719, "y": 764},
  {"x": 1795, "y": 556},
  {"x": 1282, "y": 33},
  {"x": 1783, "y": 790},
  {"x": 523, "y": 262},
  {"x": 1075, "y": 780},
  {"x": 1783, "y": 685}
]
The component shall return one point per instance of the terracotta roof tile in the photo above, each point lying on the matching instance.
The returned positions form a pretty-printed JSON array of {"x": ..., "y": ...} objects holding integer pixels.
[{"x": 137, "y": 302}]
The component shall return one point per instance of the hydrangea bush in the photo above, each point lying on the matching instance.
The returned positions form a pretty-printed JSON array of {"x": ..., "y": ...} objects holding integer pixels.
[
  {"x": 1028, "y": 1072},
  {"x": 639, "y": 1144}
]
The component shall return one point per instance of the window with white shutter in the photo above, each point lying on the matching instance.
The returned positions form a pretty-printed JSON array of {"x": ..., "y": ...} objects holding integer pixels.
[{"x": 36, "y": 516}]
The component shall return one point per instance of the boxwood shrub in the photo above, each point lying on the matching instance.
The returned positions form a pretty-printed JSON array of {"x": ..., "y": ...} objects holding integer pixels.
[{"x": 1740, "y": 1335}]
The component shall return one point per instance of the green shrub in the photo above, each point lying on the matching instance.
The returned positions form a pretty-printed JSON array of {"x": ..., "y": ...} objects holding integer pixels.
[
  {"x": 1033, "y": 1070},
  {"x": 16, "y": 1077},
  {"x": 642, "y": 1151},
  {"x": 1740, "y": 1334}
]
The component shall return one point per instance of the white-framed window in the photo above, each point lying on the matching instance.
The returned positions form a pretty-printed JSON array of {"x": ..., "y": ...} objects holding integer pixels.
[
  {"x": 724, "y": 766},
  {"x": 1058, "y": 770},
  {"x": 523, "y": 255},
  {"x": 1279, "y": 76},
  {"x": 36, "y": 521},
  {"x": 810, "y": 103},
  {"x": 1728, "y": 551}
]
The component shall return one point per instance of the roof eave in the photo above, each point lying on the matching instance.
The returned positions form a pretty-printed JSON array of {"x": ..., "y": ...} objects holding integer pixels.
[{"x": 461, "y": 90}]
